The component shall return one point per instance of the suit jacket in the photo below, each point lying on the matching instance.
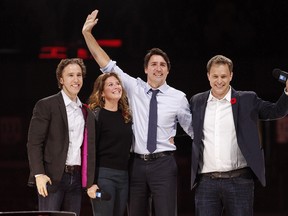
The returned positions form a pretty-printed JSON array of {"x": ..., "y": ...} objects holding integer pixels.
[
  {"x": 247, "y": 109},
  {"x": 48, "y": 140}
]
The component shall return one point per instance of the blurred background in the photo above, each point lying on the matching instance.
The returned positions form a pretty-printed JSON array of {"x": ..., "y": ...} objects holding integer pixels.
[{"x": 36, "y": 34}]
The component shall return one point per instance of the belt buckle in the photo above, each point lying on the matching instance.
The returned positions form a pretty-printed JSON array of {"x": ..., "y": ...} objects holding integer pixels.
[
  {"x": 69, "y": 169},
  {"x": 145, "y": 157},
  {"x": 66, "y": 169},
  {"x": 216, "y": 175}
]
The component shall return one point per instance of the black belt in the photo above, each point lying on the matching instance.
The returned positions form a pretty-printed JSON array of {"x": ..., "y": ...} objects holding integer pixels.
[
  {"x": 153, "y": 156},
  {"x": 72, "y": 169},
  {"x": 244, "y": 172}
]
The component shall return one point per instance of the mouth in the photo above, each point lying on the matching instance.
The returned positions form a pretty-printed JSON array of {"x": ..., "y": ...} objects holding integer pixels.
[
  {"x": 117, "y": 92},
  {"x": 76, "y": 85},
  {"x": 159, "y": 75}
]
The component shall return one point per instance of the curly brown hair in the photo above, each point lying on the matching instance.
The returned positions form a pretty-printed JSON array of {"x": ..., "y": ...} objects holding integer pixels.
[{"x": 96, "y": 100}]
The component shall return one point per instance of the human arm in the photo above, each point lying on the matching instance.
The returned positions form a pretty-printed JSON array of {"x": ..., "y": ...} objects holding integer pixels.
[
  {"x": 184, "y": 116},
  {"x": 96, "y": 51},
  {"x": 36, "y": 138}
]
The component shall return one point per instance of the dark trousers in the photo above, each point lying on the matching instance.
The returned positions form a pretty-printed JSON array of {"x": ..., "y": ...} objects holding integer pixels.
[
  {"x": 233, "y": 195},
  {"x": 114, "y": 182},
  {"x": 157, "y": 178},
  {"x": 66, "y": 196}
]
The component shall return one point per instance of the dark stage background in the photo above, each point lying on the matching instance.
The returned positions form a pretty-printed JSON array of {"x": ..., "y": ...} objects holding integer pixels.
[{"x": 252, "y": 33}]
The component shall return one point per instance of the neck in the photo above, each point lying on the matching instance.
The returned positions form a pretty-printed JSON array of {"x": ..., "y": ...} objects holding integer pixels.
[
  {"x": 111, "y": 106},
  {"x": 155, "y": 85}
]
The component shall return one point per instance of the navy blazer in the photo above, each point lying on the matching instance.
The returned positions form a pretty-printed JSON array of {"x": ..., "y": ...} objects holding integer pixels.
[
  {"x": 247, "y": 110},
  {"x": 48, "y": 140}
]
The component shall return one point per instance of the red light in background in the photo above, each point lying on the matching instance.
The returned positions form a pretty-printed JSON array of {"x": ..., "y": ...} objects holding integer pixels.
[
  {"x": 53, "y": 52},
  {"x": 110, "y": 43},
  {"x": 83, "y": 53},
  {"x": 60, "y": 52}
]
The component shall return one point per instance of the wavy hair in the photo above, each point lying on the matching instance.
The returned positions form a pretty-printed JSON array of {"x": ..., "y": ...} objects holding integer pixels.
[{"x": 96, "y": 99}]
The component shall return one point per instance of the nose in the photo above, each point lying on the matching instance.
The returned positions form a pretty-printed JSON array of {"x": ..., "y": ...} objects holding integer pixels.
[
  {"x": 219, "y": 80},
  {"x": 158, "y": 67},
  {"x": 76, "y": 78},
  {"x": 117, "y": 86}
]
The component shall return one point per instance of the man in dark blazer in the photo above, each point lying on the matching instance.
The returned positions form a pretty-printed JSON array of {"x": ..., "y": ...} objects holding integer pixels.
[
  {"x": 61, "y": 157},
  {"x": 227, "y": 155}
]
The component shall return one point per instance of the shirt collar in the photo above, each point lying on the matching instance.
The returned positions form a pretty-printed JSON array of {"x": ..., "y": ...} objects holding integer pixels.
[
  {"x": 68, "y": 101},
  {"x": 227, "y": 97},
  {"x": 162, "y": 88}
]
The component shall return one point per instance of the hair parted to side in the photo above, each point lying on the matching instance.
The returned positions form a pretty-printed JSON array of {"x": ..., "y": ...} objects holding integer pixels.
[
  {"x": 64, "y": 62},
  {"x": 218, "y": 60},
  {"x": 156, "y": 51},
  {"x": 96, "y": 100}
]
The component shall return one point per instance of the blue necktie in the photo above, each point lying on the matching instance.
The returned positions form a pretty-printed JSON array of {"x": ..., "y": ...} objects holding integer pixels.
[{"x": 152, "y": 125}]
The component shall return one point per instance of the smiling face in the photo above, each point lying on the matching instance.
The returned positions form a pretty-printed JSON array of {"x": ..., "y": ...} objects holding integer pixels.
[
  {"x": 219, "y": 77},
  {"x": 71, "y": 80},
  {"x": 112, "y": 90},
  {"x": 157, "y": 71}
]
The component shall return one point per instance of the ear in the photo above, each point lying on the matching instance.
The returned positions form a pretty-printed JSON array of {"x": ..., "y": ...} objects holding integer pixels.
[
  {"x": 231, "y": 75},
  {"x": 61, "y": 80}
]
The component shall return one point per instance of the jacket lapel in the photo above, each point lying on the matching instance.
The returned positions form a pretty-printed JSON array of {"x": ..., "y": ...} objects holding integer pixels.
[
  {"x": 235, "y": 99},
  {"x": 62, "y": 109}
]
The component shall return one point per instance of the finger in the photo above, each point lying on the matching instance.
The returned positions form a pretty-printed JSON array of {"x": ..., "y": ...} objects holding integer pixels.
[
  {"x": 41, "y": 192},
  {"x": 45, "y": 192}
]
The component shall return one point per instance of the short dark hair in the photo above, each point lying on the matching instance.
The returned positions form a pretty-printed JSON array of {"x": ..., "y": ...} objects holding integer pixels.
[
  {"x": 220, "y": 59},
  {"x": 156, "y": 51}
]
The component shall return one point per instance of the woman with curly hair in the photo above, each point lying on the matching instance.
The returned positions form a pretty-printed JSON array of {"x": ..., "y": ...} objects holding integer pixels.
[{"x": 114, "y": 135}]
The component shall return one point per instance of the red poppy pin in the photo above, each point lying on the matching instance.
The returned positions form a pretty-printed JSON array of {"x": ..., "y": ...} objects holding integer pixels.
[{"x": 233, "y": 101}]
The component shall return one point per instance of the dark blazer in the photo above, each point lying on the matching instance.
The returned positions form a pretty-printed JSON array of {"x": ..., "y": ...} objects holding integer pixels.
[
  {"x": 247, "y": 110},
  {"x": 48, "y": 140}
]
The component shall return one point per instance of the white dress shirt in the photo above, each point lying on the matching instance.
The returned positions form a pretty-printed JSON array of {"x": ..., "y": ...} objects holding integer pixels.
[
  {"x": 221, "y": 152},
  {"x": 173, "y": 108},
  {"x": 76, "y": 129}
]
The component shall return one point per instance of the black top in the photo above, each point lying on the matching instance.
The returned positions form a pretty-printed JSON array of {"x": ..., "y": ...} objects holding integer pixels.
[{"x": 114, "y": 140}]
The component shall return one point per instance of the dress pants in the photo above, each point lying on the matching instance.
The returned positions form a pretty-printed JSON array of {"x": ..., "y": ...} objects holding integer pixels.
[{"x": 158, "y": 178}]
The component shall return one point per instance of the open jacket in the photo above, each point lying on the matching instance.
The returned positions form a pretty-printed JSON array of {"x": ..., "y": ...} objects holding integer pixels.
[
  {"x": 48, "y": 141},
  {"x": 247, "y": 109}
]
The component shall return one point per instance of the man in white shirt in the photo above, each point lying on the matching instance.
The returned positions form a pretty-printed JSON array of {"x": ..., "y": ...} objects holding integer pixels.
[
  {"x": 154, "y": 172},
  {"x": 55, "y": 139},
  {"x": 226, "y": 152}
]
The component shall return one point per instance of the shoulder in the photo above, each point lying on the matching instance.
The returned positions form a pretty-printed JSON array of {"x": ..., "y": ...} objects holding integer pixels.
[
  {"x": 50, "y": 100},
  {"x": 96, "y": 112},
  {"x": 175, "y": 92},
  {"x": 200, "y": 96},
  {"x": 244, "y": 93}
]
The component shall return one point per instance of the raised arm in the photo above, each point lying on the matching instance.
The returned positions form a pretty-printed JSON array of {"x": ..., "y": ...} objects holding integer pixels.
[{"x": 96, "y": 51}]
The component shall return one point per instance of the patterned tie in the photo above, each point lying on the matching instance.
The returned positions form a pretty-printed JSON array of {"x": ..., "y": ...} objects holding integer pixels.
[{"x": 152, "y": 126}]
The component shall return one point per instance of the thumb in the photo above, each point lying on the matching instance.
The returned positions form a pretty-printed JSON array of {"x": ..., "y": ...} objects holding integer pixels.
[{"x": 49, "y": 181}]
